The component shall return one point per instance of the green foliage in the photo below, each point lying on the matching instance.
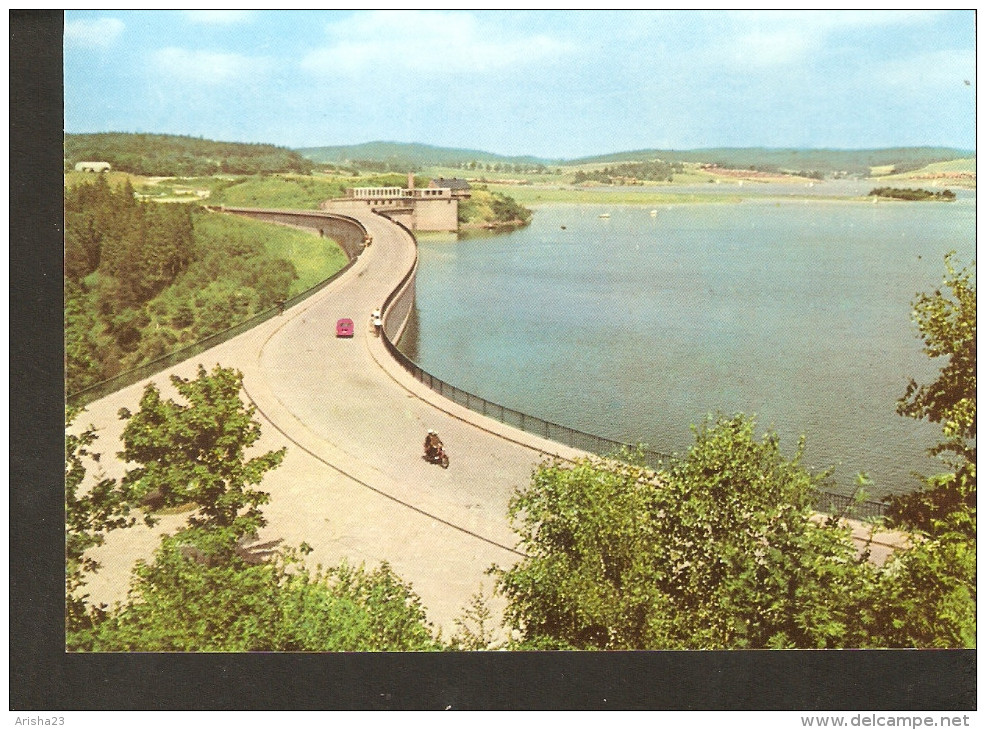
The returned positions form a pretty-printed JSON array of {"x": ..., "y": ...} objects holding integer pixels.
[
  {"x": 475, "y": 628},
  {"x": 282, "y": 192},
  {"x": 196, "y": 452},
  {"x": 144, "y": 279},
  {"x": 170, "y": 155},
  {"x": 203, "y": 592},
  {"x": 490, "y": 208},
  {"x": 719, "y": 552},
  {"x": 92, "y": 509},
  {"x": 631, "y": 172},
  {"x": 404, "y": 156},
  {"x": 912, "y": 194},
  {"x": 926, "y": 595},
  {"x": 946, "y": 321},
  {"x": 143, "y": 247}
]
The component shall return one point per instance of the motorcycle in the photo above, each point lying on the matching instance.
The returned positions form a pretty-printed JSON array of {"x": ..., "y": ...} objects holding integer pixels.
[{"x": 437, "y": 456}]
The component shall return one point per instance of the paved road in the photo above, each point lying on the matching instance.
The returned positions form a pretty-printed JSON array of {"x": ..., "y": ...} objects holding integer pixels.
[{"x": 353, "y": 484}]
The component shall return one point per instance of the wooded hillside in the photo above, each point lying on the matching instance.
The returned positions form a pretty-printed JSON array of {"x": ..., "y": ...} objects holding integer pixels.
[
  {"x": 143, "y": 279},
  {"x": 170, "y": 155}
]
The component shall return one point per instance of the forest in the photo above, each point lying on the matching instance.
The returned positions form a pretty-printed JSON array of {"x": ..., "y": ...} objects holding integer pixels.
[
  {"x": 631, "y": 173},
  {"x": 143, "y": 279},
  {"x": 171, "y": 155},
  {"x": 912, "y": 194}
]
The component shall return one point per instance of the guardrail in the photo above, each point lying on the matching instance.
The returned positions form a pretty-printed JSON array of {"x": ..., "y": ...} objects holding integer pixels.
[
  {"x": 147, "y": 370},
  {"x": 827, "y": 502}
]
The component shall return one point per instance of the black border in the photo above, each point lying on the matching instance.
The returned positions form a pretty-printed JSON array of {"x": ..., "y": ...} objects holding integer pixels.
[{"x": 43, "y": 677}]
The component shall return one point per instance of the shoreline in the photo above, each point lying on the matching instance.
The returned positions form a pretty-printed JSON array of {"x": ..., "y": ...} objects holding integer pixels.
[{"x": 551, "y": 195}]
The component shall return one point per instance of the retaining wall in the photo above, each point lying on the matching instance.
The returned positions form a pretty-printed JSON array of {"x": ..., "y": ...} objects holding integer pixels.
[{"x": 349, "y": 232}]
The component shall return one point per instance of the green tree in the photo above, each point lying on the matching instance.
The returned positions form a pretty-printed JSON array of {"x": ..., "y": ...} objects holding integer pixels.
[
  {"x": 720, "y": 551},
  {"x": 926, "y": 595},
  {"x": 93, "y": 508},
  {"x": 205, "y": 590},
  {"x": 946, "y": 321},
  {"x": 202, "y": 592},
  {"x": 195, "y": 452}
]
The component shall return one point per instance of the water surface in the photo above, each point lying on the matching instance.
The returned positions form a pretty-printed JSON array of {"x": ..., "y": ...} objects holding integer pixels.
[{"x": 636, "y": 326}]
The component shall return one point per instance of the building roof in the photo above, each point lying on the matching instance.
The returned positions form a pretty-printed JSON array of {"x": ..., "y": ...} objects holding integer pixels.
[
  {"x": 453, "y": 183},
  {"x": 92, "y": 164}
]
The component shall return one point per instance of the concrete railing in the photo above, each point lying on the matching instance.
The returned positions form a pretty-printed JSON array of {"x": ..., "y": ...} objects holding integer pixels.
[
  {"x": 397, "y": 307},
  {"x": 345, "y": 230}
]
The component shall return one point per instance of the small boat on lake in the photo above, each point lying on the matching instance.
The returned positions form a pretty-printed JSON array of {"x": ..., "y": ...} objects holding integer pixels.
[
  {"x": 653, "y": 214},
  {"x": 604, "y": 215}
]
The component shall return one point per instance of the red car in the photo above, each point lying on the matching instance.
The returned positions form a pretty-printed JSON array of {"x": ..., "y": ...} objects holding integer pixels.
[{"x": 344, "y": 328}]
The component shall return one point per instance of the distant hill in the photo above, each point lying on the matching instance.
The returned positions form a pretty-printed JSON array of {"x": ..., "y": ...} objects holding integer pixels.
[
  {"x": 398, "y": 155},
  {"x": 411, "y": 154},
  {"x": 173, "y": 155},
  {"x": 828, "y": 161}
]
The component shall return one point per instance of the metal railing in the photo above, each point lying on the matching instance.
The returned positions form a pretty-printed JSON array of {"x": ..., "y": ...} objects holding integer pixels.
[
  {"x": 827, "y": 502},
  {"x": 524, "y": 421},
  {"x": 847, "y": 506}
]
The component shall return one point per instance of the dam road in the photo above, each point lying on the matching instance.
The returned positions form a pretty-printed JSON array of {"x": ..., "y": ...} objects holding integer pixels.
[{"x": 353, "y": 484}]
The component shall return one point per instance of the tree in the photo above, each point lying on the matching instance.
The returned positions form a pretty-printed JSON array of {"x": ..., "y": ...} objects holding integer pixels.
[
  {"x": 91, "y": 511},
  {"x": 196, "y": 453},
  {"x": 946, "y": 321},
  {"x": 720, "y": 551},
  {"x": 205, "y": 590},
  {"x": 926, "y": 595},
  {"x": 201, "y": 593}
]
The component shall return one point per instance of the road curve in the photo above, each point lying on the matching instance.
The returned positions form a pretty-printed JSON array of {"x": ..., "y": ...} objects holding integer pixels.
[{"x": 354, "y": 485}]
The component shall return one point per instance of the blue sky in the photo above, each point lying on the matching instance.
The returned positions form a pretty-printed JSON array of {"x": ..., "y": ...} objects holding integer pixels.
[{"x": 549, "y": 83}]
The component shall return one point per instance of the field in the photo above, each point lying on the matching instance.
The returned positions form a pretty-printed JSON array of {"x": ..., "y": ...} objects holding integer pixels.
[
  {"x": 954, "y": 173},
  {"x": 540, "y": 194}
]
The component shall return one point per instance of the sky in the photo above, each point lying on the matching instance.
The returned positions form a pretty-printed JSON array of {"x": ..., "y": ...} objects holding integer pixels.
[{"x": 556, "y": 84}]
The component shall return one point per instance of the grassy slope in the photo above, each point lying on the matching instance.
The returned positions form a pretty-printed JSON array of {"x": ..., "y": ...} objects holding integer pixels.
[
  {"x": 314, "y": 258},
  {"x": 281, "y": 192},
  {"x": 957, "y": 173}
]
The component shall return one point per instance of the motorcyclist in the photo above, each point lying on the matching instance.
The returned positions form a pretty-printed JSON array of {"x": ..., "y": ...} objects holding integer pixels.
[{"x": 432, "y": 444}]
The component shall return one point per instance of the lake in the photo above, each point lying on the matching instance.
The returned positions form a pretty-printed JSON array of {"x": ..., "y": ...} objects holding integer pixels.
[{"x": 637, "y": 325}]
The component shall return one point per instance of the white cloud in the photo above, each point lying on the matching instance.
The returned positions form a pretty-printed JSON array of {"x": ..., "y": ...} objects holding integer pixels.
[
  {"x": 784, "y": 37},
  {"x": 423, "y": 42},
  {"x": 96, "y": 33},
  {"x": 206, "y": 66},
  {"x": 219, "y": 17}
]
